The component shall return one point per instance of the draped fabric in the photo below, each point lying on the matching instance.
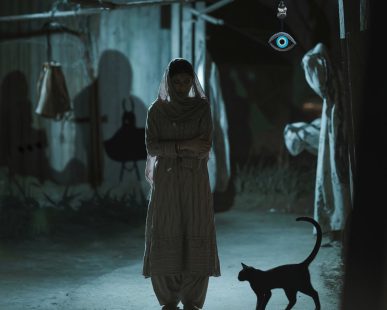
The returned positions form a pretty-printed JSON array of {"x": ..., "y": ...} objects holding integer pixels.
[
  {"x": 302, "y": 136},
  {"x": 219, "y": 161},
  {"x": 332, "y": 195},
  {"x": 180, "y": 226}
]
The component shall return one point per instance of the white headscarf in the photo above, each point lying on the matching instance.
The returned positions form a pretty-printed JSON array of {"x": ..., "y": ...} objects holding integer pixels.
[{"x": 176, "y": 107}]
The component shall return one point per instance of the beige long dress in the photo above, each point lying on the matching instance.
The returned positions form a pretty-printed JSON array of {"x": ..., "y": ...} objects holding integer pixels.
[{"x": 180, "y": 227}]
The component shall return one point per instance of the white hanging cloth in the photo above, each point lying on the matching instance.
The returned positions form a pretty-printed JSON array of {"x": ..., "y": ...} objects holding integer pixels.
[{"x": 332, "y": 195}]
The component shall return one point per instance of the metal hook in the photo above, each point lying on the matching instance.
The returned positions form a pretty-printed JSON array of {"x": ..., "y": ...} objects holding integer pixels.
[
  {"x": 47, "y": 26},
  {"x": 49, "y": 47}
]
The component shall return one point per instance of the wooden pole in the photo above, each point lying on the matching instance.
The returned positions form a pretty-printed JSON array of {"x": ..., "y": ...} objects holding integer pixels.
[
  {"x": 90, "y": 11},
  {"x": 365, "y": 281}
]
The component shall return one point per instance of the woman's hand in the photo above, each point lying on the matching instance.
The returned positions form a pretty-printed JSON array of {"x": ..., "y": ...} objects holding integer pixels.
[{"x": 197, "y": 145}]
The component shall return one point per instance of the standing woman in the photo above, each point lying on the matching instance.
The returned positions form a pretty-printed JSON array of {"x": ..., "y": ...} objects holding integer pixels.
[{"x": 180, "y": 239}]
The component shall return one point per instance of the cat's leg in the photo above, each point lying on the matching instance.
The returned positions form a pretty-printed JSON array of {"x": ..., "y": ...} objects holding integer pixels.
[
  {"x": 258, "y": 304},
  {"x": 292, "y": 296},
  {"x": 310, "y": 291},
  {"x": 265, "y": 300},
  {"x": 260, "y": 298}
]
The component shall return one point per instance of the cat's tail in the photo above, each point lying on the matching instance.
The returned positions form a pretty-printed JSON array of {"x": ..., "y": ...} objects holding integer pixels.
[{"x": 317, "y": 245}]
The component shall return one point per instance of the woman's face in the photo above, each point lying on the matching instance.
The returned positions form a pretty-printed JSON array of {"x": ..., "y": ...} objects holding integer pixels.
[{"x": 182, "y": 83}]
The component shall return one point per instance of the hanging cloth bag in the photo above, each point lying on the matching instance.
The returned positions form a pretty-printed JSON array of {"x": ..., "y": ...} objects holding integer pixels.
[{"x": 53, "y": 96}]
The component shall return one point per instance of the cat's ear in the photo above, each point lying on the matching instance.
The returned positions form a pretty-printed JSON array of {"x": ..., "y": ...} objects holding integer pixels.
[{"x": 244, "y": 266}]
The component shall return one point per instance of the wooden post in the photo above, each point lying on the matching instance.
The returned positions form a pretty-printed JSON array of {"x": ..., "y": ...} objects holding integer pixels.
[
  {"x": 200, "y": 46},
  {"x": 187, "y": 33},
  {"x": 365, "y": 280},
  {"x": 352, "y": 42},
  {"x": 364, "y": 8},
  {"x": 176, "y": 16}
]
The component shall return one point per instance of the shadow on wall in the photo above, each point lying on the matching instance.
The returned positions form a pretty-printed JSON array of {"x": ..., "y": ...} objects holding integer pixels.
[
  {"x": 110, "y": 122},
  {"x": 22, "y": 146},
  {"x": 100, "y": 114}
]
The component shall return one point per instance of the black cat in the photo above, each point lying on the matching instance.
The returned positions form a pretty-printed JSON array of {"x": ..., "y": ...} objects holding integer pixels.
[{"x": 291, "y": 278}]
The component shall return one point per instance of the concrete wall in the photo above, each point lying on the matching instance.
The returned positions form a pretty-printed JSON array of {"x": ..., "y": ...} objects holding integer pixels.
[{"x": 121, "y": 54}]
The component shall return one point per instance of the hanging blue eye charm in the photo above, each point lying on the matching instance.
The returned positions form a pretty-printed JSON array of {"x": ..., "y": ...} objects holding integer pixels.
[{"x": 282, "y": 41}]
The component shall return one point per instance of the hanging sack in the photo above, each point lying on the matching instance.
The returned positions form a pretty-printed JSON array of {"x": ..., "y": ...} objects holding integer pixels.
[{"x": 53, "y": 97}]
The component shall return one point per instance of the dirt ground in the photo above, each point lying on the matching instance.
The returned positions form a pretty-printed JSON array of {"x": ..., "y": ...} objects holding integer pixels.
[{"x": 103, "y": 270}]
